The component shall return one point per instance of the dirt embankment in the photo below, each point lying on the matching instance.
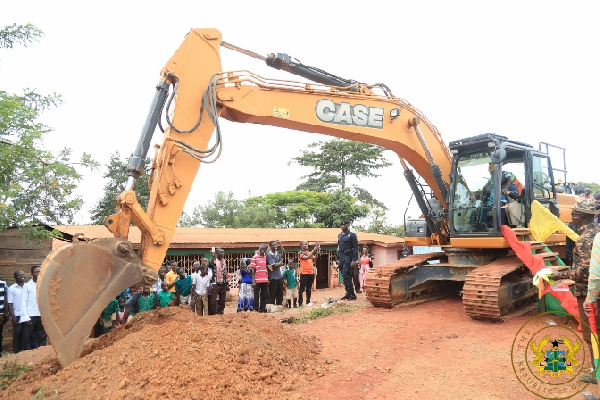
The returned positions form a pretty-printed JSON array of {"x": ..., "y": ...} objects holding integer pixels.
[{"x": 173, "y": 354}]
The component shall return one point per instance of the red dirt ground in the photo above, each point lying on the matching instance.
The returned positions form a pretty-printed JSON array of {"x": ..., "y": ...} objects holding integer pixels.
[{"x": 427, "y": 351}]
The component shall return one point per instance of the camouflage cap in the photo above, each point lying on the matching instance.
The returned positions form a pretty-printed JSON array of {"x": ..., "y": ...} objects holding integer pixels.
[{"x": 586, "y": 206}]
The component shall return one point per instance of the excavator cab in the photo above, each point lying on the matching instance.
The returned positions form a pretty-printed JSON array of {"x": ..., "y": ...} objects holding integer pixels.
[{"x": 493, "y": 182}]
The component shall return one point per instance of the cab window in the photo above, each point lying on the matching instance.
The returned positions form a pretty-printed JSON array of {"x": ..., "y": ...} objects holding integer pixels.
[{"x": 542, "y": 183}]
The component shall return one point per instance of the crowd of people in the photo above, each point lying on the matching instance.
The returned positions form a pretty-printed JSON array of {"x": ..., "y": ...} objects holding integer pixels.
[
  {"x": 266, "y": 278},
  {"x": 262, "y": 280},
  {"x": 18, "y": 304}
]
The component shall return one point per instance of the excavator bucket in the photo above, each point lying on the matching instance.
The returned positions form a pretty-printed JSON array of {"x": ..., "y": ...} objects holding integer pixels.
[{"x": 77, "y": 282}]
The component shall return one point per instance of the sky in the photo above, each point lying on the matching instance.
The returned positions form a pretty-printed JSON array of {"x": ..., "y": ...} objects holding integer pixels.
[{"x": 528, "y": 70}]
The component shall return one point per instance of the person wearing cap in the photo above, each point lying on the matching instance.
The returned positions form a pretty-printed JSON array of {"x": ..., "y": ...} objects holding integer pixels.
[
  {"x": 582, "y": 215},
  {"x": 348, "y": 257},
  {"x": 510, "y": 189}
]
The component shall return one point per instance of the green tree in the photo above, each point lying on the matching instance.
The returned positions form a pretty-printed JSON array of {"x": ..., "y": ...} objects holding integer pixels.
[
  {"x": 592, "y": 185},
  {"x": 378, "y": 224},
  {"x": 292, "y": 208},
  {"x": 227, "y": 212},
  {"x": 336, "y": 160},
  {"x": 36, "y": 187},
  {"x": 298, "y": 209},
  {"x": 117, "y": 177},
  {"x": 341, "y": 206},
  {"x": 18, "y": 34}
]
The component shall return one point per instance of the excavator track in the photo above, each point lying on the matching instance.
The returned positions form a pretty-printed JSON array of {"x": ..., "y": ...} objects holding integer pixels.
[
  {"x": 482, "y": 288},
  {"x": 490, "y": 291},
  {"x": 378, "y": 283}
]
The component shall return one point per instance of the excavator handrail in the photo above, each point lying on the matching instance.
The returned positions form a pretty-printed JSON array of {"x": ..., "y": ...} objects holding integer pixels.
[{"x": 246, "y": 76}]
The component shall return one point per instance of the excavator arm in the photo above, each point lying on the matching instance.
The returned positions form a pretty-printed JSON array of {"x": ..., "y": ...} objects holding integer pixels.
[{"x": 78, "y": 280}]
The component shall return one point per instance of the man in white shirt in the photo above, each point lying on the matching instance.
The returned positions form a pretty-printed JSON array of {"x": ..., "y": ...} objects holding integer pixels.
[
  {"x": 18, "y": 310},
  {"x": 162, "y": 272},
  {"x": 200, "y": 285},
  {"x": 196, "y": 269},
  {"x": 36, "y": 330}
]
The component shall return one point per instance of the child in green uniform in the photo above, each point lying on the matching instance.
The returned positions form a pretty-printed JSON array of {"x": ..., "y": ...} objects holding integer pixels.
[
  {"x": 289, "y": 276},
  {"x": 108, "y": 315},
  {"x": 147, "y": 300},
  {"x": 183, "y": 288},
  {"x": 166, "y": 298}
]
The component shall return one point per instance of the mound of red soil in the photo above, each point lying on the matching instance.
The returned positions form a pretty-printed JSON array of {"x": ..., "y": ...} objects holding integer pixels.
[{"x": 173, "y": 354}]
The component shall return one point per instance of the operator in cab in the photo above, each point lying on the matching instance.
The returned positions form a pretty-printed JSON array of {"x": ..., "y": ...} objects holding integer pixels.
[{"x": 510, "y": 190}]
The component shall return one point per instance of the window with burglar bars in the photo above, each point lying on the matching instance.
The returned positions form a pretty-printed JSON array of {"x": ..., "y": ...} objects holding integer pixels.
[{"x": 233, "y": 261}]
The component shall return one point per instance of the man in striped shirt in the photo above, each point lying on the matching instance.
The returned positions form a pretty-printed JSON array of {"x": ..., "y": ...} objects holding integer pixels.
[
  {"x": 3, "y": 309},
  {"x": 260, "y": 279}
]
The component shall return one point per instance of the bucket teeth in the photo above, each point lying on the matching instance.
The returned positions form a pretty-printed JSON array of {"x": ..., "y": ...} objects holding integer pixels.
[{"x": 76, "y": 284}]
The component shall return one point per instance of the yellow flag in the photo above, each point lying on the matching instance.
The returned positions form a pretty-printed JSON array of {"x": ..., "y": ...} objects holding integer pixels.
[{"x": 543, "y": 223}]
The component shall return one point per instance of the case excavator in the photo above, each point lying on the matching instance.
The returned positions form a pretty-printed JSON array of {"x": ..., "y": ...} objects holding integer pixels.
[{"x": 461, "y": 193}]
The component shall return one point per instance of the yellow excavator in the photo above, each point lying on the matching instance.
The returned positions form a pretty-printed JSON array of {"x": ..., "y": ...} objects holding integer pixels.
[{"x": 462, "y": 199}]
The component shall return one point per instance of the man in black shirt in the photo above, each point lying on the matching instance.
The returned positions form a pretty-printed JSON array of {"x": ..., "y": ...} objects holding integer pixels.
[{"x": 348, "y": 257}]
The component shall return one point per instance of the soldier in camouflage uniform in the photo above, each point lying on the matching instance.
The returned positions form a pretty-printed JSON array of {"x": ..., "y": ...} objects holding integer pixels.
[{"x": 582, "y": 215}]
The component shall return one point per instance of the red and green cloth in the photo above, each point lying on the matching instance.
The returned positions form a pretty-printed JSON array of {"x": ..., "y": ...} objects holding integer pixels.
[{"x": 535, "y": 263}]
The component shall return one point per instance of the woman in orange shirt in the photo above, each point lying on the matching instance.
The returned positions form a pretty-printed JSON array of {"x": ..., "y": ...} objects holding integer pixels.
[{"x": 307, "y": 273}]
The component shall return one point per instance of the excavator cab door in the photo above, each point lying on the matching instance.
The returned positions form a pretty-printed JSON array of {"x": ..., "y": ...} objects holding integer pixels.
[{"x": 540, "y": 181}]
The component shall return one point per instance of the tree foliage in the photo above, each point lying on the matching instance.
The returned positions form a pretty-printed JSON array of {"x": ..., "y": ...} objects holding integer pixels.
[
  {"x": 336, "y": 160},
  {"x": 36, "y": 186},
  {"x": 116, "y": 175},
  {"x": 223, "y": 212},
  {"x": 333, "y": 163},
  {"x": 18, "y": 34},
  {"x": 593, "y": 186},
  {"x": 378, "y": 224},
  {"x": 293, "y": 209}
]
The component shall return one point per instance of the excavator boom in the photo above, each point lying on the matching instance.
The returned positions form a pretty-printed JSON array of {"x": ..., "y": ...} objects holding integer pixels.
[{"x": 200, "y": 94}]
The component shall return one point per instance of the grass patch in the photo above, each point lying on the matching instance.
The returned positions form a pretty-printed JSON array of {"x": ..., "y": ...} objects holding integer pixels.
[
  {"x": 319, "y": 312},
  {"x": 10, "y": 371},
  {"x": 40, "y": 393}
]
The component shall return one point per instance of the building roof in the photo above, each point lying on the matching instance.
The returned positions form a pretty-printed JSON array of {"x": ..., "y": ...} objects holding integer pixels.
[{"x": 185, "y": 237}]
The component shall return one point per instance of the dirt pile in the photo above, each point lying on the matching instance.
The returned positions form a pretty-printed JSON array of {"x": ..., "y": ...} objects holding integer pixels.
[{"x": 173, "y": 354}]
